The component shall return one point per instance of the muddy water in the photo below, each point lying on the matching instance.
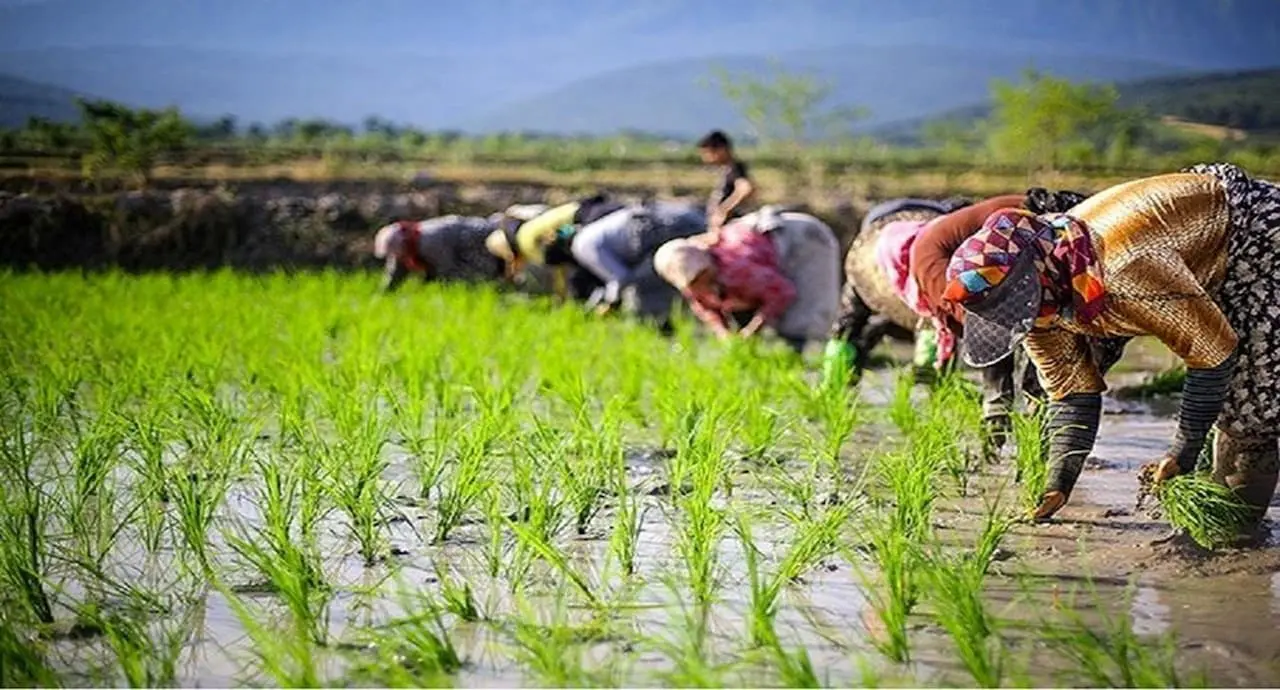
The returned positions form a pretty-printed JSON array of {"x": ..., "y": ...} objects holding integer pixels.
[{"x": 1224, "y": 608}]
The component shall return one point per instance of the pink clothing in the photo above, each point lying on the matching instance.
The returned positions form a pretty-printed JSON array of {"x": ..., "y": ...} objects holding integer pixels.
[
  {"x": 893, "y": 254},
  {"x": 747, "y": 276}
]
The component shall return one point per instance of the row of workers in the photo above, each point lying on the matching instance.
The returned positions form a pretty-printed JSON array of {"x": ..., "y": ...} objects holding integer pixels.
[{"x": 1191, "y": 258}]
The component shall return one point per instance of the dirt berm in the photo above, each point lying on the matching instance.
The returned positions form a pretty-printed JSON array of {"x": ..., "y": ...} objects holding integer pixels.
[{"x": 252, "y": 227}]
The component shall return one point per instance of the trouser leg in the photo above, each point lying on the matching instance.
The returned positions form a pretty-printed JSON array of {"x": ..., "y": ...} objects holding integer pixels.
[
  {"x": 853, "y": 317},
  {"x": 1249, "y": 467},
  {"x": 997, "y": 404}
]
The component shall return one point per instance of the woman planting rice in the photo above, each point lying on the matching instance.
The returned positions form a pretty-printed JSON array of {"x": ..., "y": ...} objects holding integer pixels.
[
  {"x": 545, "y": 239},
  {"x": 618, "y": 249},
  {"x": 869, "y": 309},
  {"x": 1191, "y": 258},
  {"x": 446, "y": 248},
  {"x": 786, "y": 272},
  {"x": 929, "y": 253}
]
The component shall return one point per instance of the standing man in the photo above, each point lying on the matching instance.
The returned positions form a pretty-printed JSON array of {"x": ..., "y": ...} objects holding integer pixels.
[{"x": 735, "y": 187}]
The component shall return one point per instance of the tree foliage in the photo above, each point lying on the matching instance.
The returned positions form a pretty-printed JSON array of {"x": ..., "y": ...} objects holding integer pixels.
[
  {"x": 785, "y": 106},
  {"x": 130, "y": 140},
  {"x": 1044, "y": 120}
]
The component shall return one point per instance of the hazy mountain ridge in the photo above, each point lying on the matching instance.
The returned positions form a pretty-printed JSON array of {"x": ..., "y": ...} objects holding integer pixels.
[{"x": 548, "y": 65}]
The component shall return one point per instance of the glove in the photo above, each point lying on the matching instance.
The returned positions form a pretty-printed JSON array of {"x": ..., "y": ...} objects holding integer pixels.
[{"x": 838, "y": 361}]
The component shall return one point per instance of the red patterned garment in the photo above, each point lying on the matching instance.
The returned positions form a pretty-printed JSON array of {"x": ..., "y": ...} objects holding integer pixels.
[{"x": 748, "y": 278}]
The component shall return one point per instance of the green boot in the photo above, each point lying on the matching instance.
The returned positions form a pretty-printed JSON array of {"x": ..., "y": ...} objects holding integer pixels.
[{"x": 838, "y": 361}]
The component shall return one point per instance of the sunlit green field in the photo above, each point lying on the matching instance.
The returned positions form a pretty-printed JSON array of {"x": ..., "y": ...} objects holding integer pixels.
[{"x": 296, "y": 481}]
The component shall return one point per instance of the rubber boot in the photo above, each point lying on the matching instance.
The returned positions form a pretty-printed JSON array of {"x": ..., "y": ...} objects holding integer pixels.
[
  {"x": 1249, "y": 468},
  {"x": 839, "y": 361},
  {"x": 995, "y": 433}
]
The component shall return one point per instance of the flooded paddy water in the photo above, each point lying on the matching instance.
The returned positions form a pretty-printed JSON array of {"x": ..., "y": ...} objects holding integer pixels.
[{"x": 640, "y": 512}]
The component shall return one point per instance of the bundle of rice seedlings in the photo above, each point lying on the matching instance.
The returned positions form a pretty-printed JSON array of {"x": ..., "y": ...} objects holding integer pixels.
[{"x": 1210, "y": 512}]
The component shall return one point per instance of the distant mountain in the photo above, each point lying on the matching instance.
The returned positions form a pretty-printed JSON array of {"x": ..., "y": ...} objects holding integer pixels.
[
  {"x": 21, "y": 99},
  {"x": 207, "y": 83},
  {"x": 894, "y": 83},
  {"x": 486, "y": 63},
  {"x": 1247, "y": 101}
]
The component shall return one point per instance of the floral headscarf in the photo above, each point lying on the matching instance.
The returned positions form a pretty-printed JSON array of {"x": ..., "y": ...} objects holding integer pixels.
[
  {"x": 1018, "y": 272},
  {"x": 1064, "y": 258}
]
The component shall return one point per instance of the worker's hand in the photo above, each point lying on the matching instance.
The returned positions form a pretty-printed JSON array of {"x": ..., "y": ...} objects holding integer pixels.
[
  {"x": 603, "y": 309},
  {"x": 1050, "y": 503},
  {"x": 1161, "y": 471},
  {"x": 753, "y": 327}
]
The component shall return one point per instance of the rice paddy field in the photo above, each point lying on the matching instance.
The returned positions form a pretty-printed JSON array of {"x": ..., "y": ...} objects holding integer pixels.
[{"x": 291, "y": 480}]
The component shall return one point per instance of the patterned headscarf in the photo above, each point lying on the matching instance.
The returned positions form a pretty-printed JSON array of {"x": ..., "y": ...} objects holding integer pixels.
[{"x": 1064, "y": 258}]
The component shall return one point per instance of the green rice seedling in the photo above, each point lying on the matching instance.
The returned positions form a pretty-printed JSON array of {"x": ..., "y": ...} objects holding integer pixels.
[
  {"x": 551, "y": 653},
  {"x": 954, "y": 585},
  {"x": 556, "y": 558},
  {"x": 146, "y": 652},
  {"x": 628, "y": 522},
  {"x": 763, "y": 591},
  {"x": 469, "y": 481},
  {"x": 458, "y": 598},
  {"x": 795, "y": 668},
  {"x": 1032, "y": 469},
  {"x": 815, "y": 540},
  {"x": 702, "y": 460},
  {"x": 24, "y": 661},
  {"x": 910, "y": 477},
  {"x": 88, "y": 507},
  {"x": 496, "y": 548},
  {"x": 585, "y": 479},
  {"x": 25, "y": 525},
  {"x": 1210, "y": 512},
  {"x": 147, "y": 440},
  {"x": 431, "y": 450},
  {"x": 690, "y": 655},
  {"x": 197, "y": 494},
  {"x": 839, "y": 414},
  {"x": 952, "y": 416},
  {"x": 412, "y": 651},
  {"x": 355, "y": 467},
  {"x": 896, "y": 540},
  {"x": 535, "y": 475},
  {"x": 902, "y": 409},
  {"x": 801, "y": 487},
  {"x": 283, "y": 553},
  {"x": 762, "y": 425},
  {"x": 1110, "y": 653},
  {"x": 289, "y": 659},
  {"x": 894, "y": 592}
]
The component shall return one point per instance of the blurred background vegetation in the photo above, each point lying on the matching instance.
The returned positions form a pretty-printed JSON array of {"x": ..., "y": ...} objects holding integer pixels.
[{"x": 1037, "y": 126}]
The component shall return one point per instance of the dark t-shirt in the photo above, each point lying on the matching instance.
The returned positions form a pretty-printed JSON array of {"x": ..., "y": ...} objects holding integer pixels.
[{"x": 732, "y": 173}]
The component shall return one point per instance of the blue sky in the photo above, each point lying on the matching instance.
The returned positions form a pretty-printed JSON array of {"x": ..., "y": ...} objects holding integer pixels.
[{"x": 592, "y": 35}]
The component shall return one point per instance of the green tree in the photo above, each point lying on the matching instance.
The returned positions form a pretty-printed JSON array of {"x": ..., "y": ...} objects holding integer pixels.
[
  {"x": 130, "y": 141},
  {"x": 1041, "y": 119},
  {"x": 786, "y": 106}
]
